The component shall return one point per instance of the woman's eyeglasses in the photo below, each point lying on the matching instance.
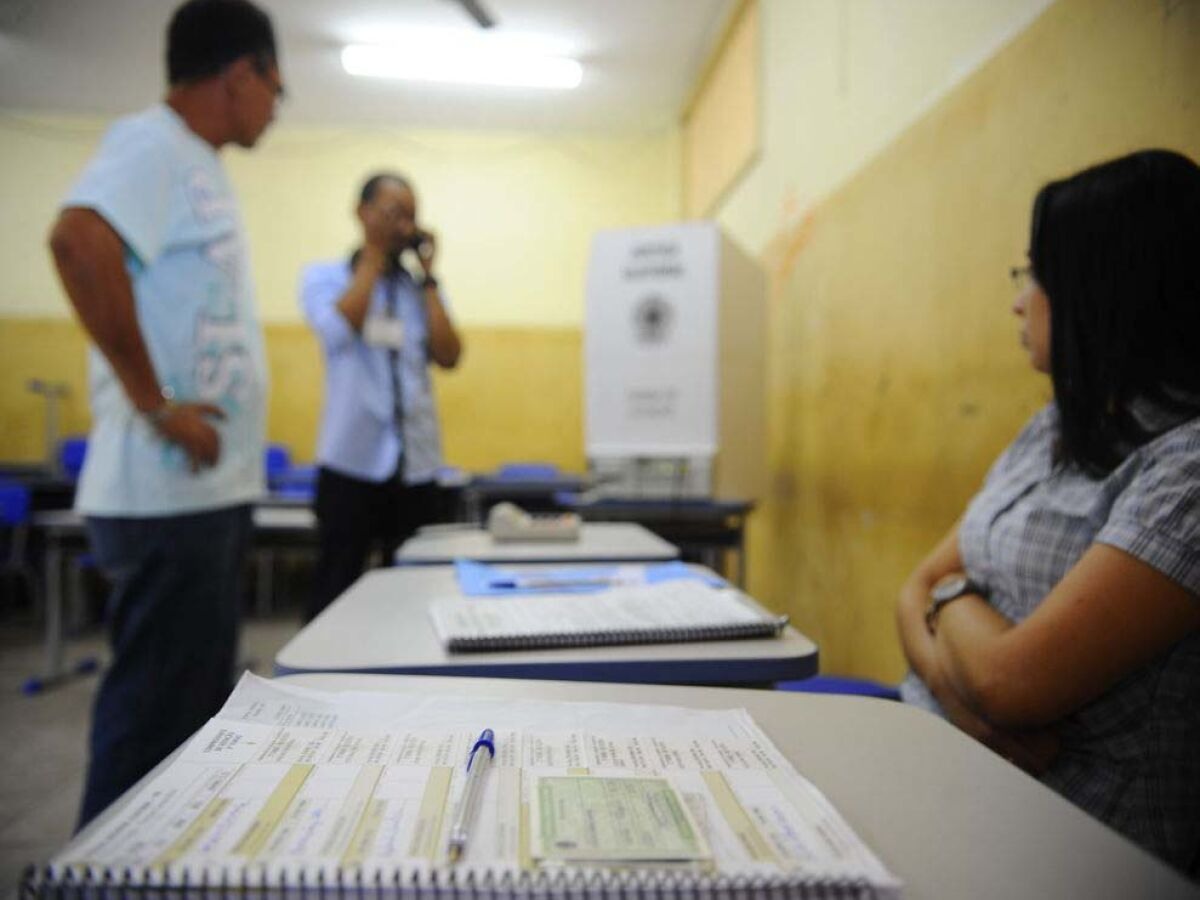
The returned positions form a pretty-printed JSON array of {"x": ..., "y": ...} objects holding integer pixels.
[{"x": 1021, "y": 276}]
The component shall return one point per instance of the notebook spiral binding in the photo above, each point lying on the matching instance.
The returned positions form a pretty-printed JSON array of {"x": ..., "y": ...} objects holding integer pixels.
[
  {"x": 764, "y": 628},
  {"x": 435, "y": 884}
]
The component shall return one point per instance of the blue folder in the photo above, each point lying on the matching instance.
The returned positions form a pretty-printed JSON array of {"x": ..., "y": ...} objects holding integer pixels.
[{"x": 477, "y": 579}]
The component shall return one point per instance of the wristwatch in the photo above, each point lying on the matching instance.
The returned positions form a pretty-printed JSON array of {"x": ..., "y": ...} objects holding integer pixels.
[
  {"x": 946, "y": 591},
  {"x": 161, "y": 412}
]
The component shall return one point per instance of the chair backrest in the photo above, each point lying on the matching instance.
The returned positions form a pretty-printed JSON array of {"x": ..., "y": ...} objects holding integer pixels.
[
  {"x": 71, "y": 453},
  {"x": 841, "y": 684},
  {"x": 527, "y": 472},
  {"x": 14, "y": 503},
  {"x": 277, "y": 459}
]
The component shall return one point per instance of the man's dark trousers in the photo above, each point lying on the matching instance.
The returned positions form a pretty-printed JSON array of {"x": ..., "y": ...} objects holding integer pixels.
[
  {"x": 356, "y": 516},
  {"x": 173, "y": 620}
]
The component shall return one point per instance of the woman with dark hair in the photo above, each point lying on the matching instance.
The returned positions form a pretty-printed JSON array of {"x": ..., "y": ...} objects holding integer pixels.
[{"x": 1059, "y": 620}]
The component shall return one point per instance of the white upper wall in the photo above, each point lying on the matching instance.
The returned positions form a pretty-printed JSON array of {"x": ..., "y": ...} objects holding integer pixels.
[{"x": 841, "y": 80}]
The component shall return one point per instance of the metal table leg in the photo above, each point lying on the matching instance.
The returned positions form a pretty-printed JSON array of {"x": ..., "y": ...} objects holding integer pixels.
[
  {"x": 264, "y": 594},
  {"x": 53, "y": 669}
]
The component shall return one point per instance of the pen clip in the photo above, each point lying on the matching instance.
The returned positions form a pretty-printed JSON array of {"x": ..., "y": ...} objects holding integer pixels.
[{"x": 488, "y": 740}]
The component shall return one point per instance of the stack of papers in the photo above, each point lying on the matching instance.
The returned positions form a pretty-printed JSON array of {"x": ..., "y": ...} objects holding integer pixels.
[
  {"x": 288, "y": 787},
  {"x": 667, "y": 612}
]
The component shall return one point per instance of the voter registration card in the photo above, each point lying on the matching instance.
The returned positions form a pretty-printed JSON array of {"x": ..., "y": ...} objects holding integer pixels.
[
  {"x": 612, "y": 820},
  {"x": 383, "y": 331}
]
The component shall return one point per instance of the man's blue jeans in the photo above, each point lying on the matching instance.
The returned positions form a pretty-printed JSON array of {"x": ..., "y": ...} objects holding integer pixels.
[{"x": 173, "y": 622}]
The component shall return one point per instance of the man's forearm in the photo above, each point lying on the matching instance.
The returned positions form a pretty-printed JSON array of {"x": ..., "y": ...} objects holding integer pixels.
[
  {"x": 445, "y": 346},
  {"x": 89, "y": 258},
  {"x": 355, "y": 302}
]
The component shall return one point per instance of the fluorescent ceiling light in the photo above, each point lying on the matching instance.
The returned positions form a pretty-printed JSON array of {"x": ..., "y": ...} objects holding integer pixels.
[{"x": 462, "y": 58}]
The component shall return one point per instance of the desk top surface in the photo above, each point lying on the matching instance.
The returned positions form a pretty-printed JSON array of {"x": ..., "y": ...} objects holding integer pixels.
[
  {"x": 488, "y": 484},
  {"x": 300, "y": 518},
  {"x": 598, "y": 542},
  {"x": 382, "y": 624},
  {"x": 948, "y": 816},
  {"x": 266, "y": 516},
  {"x": 681, "y": 507}
]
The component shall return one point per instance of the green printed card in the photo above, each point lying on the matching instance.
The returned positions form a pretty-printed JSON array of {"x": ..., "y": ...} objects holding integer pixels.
[{"x": 616, "y": 819}]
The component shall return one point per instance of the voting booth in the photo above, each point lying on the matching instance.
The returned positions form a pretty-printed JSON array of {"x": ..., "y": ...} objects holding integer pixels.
[{"x": 675, "y": 360}]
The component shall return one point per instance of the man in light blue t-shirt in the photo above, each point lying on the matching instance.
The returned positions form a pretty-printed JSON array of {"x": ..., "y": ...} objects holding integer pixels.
[{"x": 151, "y": 251}]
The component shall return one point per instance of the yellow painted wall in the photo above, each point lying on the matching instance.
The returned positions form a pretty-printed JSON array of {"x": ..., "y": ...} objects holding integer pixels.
[
  {"x": 515, "y": 212},
  {"x": 49, "y": 349},
  {"x": 895, "y": 367},
  {"x": 520, "y": 399}
]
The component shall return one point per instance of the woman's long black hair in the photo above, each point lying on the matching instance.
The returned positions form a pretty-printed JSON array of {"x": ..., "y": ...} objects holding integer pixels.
[{"x": 1117, "y": 250}]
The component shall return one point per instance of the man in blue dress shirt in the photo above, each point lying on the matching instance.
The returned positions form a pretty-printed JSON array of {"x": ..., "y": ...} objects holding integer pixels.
[
  {"x": 380, "y": 328},
  {"x": 152, "y": 253}
]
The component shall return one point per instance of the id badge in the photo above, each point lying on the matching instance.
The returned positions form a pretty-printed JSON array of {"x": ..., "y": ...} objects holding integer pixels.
[{"x": 382, "y": 331}]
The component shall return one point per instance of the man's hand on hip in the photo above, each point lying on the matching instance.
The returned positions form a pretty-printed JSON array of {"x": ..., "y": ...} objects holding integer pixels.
[{"x": 187, "y": 425}]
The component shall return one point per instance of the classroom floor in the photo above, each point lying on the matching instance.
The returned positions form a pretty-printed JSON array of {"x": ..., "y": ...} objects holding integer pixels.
[{"x": 43, "y": 737}]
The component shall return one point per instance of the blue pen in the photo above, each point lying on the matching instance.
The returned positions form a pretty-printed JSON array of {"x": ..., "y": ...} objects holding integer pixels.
[
  {"x": 477, "y": 765},
  {"x": 548, "y": 584}
]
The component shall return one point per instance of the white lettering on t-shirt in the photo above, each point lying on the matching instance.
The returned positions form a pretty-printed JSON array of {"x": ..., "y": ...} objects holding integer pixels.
[{"x": 207, "y": 200}]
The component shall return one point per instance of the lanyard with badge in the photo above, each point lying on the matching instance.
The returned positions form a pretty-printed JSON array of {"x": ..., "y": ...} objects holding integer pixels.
[{"x": 386, "y": 332}]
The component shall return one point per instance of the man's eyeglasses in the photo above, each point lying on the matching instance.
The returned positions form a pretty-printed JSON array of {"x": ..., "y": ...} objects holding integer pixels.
[{"x": 263, "y": 66}]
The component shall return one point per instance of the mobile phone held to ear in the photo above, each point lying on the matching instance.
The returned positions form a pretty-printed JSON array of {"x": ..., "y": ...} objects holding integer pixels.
[{"x": 419, "y": 240}]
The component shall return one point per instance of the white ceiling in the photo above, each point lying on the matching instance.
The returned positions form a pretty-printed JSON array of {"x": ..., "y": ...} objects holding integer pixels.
[{"x": 640, "y": 59}]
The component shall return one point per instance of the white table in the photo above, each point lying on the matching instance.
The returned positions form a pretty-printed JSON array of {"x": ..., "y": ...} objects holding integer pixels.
[
  {"x": 64, "y": 530},
  {"x": 598, "y": 542},
  {"x": 277, "y": 528},
  {"x": 381, "y": 624},
  {"x": 949, "y": 817}
]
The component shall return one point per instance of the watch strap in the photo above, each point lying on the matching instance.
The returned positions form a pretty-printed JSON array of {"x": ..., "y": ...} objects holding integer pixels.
[
  {"x": 936, "y": 604},
  {"x": 160, "y": 413}
]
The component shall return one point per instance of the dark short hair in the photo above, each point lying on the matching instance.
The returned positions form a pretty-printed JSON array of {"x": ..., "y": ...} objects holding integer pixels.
[
  {"x": 204, "y": 36},
  {"x": 371, "y": 186},
  {"x": 1116, "y": 248}
]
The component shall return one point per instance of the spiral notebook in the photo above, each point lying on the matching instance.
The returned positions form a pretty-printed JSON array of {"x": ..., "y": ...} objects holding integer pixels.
[
  {"x": 667, "y": 612},
  {"x": 295, "y": 793}
]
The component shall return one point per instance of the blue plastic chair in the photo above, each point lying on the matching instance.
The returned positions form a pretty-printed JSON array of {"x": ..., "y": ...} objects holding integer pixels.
[
  {"x": 15, "y": 511},
  {"x": 305, "y": 474},
  {"x": 452, "y": 476},
  {"x": 14, "y": 504},
  {"x": 295, "y": 490},
  {"x": 837, "y": 684},
  {"x": 71, "y": 454},
  {"x": 278, "y": 462},
  {"x": 527, "y": 472},
  {"x": 285, "y": 480},
  {"x": 14, "y": 518}
]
